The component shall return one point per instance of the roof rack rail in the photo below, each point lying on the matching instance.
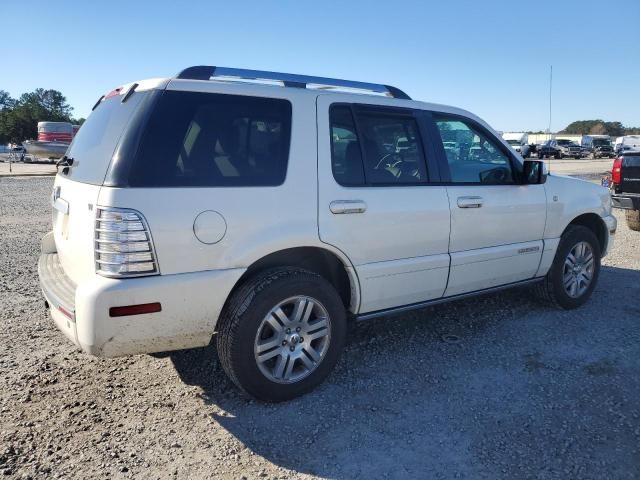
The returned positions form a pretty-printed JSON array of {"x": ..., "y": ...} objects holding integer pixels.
[{"x": 203, "y": 72}]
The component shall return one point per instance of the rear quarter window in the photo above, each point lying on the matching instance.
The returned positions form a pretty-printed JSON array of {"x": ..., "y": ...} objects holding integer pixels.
[
  {"x": 94, "y": 144},
  {"x": 195, "y": 139}
]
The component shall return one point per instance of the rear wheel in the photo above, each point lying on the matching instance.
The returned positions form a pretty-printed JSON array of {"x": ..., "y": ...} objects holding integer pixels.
[
  {"x": 633, "y": 219},
  {"x": 575, "y": 269},
  {"x": 281, "y": 333}
]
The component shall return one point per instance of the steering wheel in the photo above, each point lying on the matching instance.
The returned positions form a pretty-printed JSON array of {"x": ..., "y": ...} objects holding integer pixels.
[
  {"x": 386, "y": 156},
  {"x": 498, "y": 175}
]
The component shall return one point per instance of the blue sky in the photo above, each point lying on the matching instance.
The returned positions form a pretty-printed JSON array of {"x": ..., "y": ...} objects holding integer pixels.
[{"x": 489, "y": 57}]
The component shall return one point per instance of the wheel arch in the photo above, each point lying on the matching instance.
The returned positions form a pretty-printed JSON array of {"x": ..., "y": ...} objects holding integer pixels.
[
  {"x": 331, "y": 265},
  {"x": 593, "y": 222}
]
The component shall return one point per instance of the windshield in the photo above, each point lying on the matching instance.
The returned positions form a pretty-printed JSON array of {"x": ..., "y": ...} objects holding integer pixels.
[
  {"x": 513, "y": 142},
  {"x": 94, "y": 144},
  {"x": 564, "y": 142},
  {"x": 601, "y": 142}
]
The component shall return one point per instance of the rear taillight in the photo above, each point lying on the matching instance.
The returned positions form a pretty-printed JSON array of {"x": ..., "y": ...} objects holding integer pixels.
[
  {"x": 616, "y": 172},
  {"x": 123, "y": 244}
]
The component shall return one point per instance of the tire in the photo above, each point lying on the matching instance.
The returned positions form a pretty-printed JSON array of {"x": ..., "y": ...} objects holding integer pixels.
[
  {"x": 541, "y": 156},
  {"x": 552, "y": 288},
  {"x": 633, "y": 219},
  {"x": 242, "y": 324},
  {"x": 558, "y": 155}
]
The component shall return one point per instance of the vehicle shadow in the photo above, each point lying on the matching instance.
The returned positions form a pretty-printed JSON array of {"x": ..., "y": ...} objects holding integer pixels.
[{"x": 457, "y": 390}]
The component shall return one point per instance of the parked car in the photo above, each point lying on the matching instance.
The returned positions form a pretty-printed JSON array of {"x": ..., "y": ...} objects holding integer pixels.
[
  {"x": 267, "y": 217},
  {"x": 625, "y": 187},
  {"x": 549, "y": 149},
  {"x": 597, "y": 146},
  {"x": 569, "y": 148},
  {"x": 559, "y": 148},
  {"x": 17, "y": 153}
]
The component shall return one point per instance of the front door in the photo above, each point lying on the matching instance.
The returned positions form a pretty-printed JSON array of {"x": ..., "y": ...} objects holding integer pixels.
[
  {"x": 497, "y": 224},
  {"x": 376, "y": 203}
]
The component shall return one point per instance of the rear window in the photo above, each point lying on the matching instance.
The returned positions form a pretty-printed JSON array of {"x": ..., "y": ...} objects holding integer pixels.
[
  {"x": 196, "y": 139},
  {"x": 94, "y": 144}
]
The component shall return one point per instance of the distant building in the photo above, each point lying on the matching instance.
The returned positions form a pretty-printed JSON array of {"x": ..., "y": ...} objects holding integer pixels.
[{"x": 538, "y": 138}]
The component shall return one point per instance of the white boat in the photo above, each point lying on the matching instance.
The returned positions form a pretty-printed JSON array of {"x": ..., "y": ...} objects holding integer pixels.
[{"x": 44, "y": 149}]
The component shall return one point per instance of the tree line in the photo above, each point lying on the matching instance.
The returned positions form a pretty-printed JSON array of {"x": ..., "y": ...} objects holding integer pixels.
[
  {"x": 19, "y": 117},
  {"x": 599, "y": 127}
]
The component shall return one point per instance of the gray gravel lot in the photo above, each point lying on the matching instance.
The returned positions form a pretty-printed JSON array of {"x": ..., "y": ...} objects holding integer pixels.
[{"x": 526, "y": 392}]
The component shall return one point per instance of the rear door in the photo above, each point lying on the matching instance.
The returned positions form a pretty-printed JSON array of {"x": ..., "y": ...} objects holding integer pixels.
[
  {"x": 496, "y": 224},
  {"x": 377, "y": 202}
]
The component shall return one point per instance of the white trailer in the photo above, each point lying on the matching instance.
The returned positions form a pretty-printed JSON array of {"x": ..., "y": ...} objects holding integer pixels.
[
  {"x": 628, "y": 143},
  {"x": 519, "y": 141}
]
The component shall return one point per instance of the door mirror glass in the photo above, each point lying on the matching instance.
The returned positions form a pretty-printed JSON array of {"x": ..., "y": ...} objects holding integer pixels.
[{"x": 534, "y": 172}]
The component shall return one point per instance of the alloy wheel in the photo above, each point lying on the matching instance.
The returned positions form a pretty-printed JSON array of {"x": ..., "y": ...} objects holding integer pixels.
[
  {"x": 578, "y": 269},
  {"x": 292, "y": 339}
]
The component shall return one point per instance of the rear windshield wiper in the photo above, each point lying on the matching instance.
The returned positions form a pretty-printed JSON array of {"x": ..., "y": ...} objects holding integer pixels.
[{"x": 64, "y": 162}]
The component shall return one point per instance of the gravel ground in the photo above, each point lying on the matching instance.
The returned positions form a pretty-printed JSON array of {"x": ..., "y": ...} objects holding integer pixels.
[{"x": 495, "y": 387}]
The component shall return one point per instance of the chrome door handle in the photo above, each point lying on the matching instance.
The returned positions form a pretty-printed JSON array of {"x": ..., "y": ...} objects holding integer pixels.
[
  {"x": 470, "y": 202},
  {"x": 339, "y": 207}
]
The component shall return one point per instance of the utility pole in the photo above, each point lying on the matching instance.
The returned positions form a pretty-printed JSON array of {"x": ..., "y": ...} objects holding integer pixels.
[{"x": 550, "y": 91}]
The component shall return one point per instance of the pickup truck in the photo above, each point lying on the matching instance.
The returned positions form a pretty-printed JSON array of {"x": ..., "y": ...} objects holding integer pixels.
[
  {"x": 549, "y": 149},
  {"x": 625, "y": 187},
  {"x": 559, "y": 149}
]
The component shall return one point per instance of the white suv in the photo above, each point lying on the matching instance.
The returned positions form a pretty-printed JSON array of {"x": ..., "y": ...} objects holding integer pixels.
[{"x": 271, "y": 209}]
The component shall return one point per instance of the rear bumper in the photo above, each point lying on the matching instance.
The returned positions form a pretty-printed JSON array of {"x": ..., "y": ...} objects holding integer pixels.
[
  {"x": 191, "y": 304},
  {"x": 59, "y": 294},
  {"x": 625, "y": 201}
]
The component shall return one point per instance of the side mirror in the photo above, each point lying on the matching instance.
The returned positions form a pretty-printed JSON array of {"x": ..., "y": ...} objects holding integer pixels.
[{"x": 535, "y": 172}]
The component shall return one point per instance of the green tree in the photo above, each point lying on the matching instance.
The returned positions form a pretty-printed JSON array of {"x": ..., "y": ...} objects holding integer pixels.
[
  {"x": 19, "y": 118},
  {"x": 615, "y": 129},
  {"x": 6, "y": 106},
  {"x": 599, "y": 127},
  {"x": 581, "y": 127}
]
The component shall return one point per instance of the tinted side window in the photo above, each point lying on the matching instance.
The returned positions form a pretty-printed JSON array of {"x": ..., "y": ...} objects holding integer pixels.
[
  {"x": 473, "y": 157},
  {"x": 392, "y": 149},
  {"x": 387, "y": 152},
  {"x": 212, "y": 140},
  {"x": 346, "y": 156}
]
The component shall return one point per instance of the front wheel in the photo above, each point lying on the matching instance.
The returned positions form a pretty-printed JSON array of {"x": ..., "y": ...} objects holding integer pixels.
[
  {"x": 575, "y": 269},
  {"x": 281, "y": 333}
]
